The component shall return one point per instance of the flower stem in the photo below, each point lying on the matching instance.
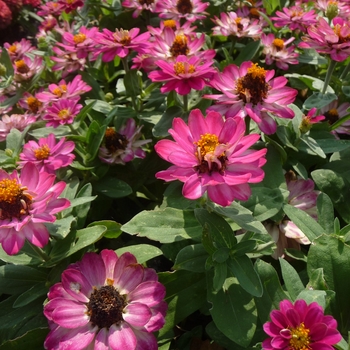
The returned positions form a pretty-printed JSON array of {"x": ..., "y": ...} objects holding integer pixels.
[
  {"x": 330, "y": 70},
  {"x": 125, "y": 63},
  {"x": 185, "y": 102},
  {"x": 39, "y": 252},
  {"x": 345, "y": 72}
]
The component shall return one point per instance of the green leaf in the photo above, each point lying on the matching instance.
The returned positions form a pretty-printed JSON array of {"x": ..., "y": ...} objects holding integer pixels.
[
  {"x": 312, "y": 146},
  {"x": 220, "y": 274},
  {"x": 219, "y": 230},
  {"x": 319, "y": 100},
  {"x": 165, "y": 122},
  {"x": 142, "y": 252},
  {"x": 113, "y": 187},
  {"x": 304, "y": 221},
  {"x": 273, "y": 293},
  {"x": 291, "y": 279},
  {"x": 31, "y": 294},
  {"x": 191, "y": 258},
  {"x": 242, "y": 268},
  {"x": 33, "y": 339},
  {"x": 133, "y": 82},
  {"x": 94, "y": 138},
  {"x": 236, "y": 305},
  {"x": 271, "y": 6},
  {"x": 113, "y": 228},
  {"x": 244, "y": 247},
  {"x": 314, "y": 295},
  {"x": 248, "y": 52},
  {"x": 166, "y": 226},
  {"x": 325, "y": 212}
]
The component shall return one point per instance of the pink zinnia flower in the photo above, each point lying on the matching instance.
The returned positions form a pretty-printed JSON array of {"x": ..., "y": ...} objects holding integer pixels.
[
  {"x": 31, "y": 104},
  {"x": 27, "y": 201},
  {"x": 183, "y": 75},
  {"x": 190, "y": 10},
  {"x": 52, "y": 8},
  {"x": 231, "y": 24},
  {"x": 211, "y": 155},
  {"x": 122, "y": 146},
  {"x": 251, "y": 90},
  {"x": 309, "y": 119},
  {"x": 48, "y": 155},
  {"x": 62, "y": 112},
  {"x": 139, "y": 6},
  {"x": 70, "y": 5},
  {"x": 332, "y": 40},
  {"x": 300, "y": 326},
  {"x": 295, "y": 18},
  {"x": 120, "y": 43},
  {"x": 18, "y": 49},
  {"x": 333, "y": 113},
  {"x": 105, "y": 302},
  {"x": 14, "y": 121},
  {"x": 26, "y": 68},
  {"x": 277, "y": 50}
]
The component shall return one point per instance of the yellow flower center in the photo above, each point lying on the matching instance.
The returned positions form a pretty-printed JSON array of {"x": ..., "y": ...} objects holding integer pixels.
[
  {"x": 253, "y": 87},
  {"x": 114, "y": 141},
  {"x": 342, "y": 39},
  {"x": 60, "y": 90},
  {"x": 179, "y": 46},
  {"x": 125, "y": 37},
  {"x": 332, "y": 115},
  {"x": 207, "y": 144},
  {"x": 79, "y": 38},
  {"x": 42, "y": 153},
  {"x": 12, "y": 49},
  {"x": 182, "y": 68},
  {"x": 13, "y": 202},
  {"x": 170, "y": 23},
  {"x": 238, "y": 21},
  {"x": 33, "y": 104},
  {"x": 22, "y": 66},
  {"x": 184, "y": 6},
  {"x": 254, "y": 12},
  {"x": 63, "y": 114},
  {"x": 278, "y": 44},
  {"x": 300, "y": 339}
]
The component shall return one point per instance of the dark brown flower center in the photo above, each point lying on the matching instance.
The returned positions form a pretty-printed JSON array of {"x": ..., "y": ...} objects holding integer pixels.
[
  {"x": 184, "y": 6},
  {"x": 13, "y": 201},
  {"x": 115, "y": 141},
  {"x": 105, "y": 307},
  {"x": 252, "y": 88},
  {"x": 33, "y": 104},
  {"x": 22, "y": 67},
  {"x": 179, "y": 46},
  {"x": 332, "y": 116}
]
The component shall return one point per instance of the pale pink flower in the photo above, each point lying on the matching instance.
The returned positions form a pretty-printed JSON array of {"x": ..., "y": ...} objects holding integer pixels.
[
  {"x": 211, "y": 155},
  {"x": 295, "y": 18},
  {"x": 252, "y": 90},
  {"x": 178, "y": 28},
  {"x": 26, "y": 68},
  {"x": 52, "y": 8},
  {"x": 31, "y": 104},
  {"x": 140, "y": 5},
  {"x": 332, "y": 40},
  {"x": 183, "y": 74},
  {"x": 105, "y": 302},
  {"x": 120, "y": 43},
  {"x": 333, "y": 113},
  {"x": 19, "y": 49},
  {"x": 300, "y": 326},
  {"x": 122, "y": 146},
  {"x": 231, "y": 24},
  {"x": 14, "y": 121},
  {"x": 277, "y": 50},
  {"x": 27, "y": 202},
  {"x": 48, "y": 155},
  {"x": 190, "y": 10},
  {"x": 62, "y": 112}
]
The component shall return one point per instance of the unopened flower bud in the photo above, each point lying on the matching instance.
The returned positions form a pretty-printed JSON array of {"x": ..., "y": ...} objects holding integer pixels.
[
  {"x": 3, "y": 70},
  {"x": 109, "y": 97},
  {"x": 332, "y": 10}
]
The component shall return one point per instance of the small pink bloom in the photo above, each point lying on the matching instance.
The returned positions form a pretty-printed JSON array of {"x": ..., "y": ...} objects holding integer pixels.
[
  {"x": 211, "y": 155},
  {"x": 70, "y": 5},
  {"x": 52, "y": 8},
  {"x": 332, "y": 40},
  {"x": 252, "y": 90},
  {"x": 105, "y": 302},
  {"x": 18, "y": 49},
  {"x": 333, "y": 113},
  {"x": 48, "y": 155},
  {"x": 122, "y": 146},
  {"x": 27, "y": 201},
  {"x": 26, "y": 68},
  {"x": 309, "y": 119},
  {"x": 62, "y": 112},
  {"x": 14, "y": 121},
  {"x": 300, "y": 326},
  {"x": 183, "y": 74},
  {"x": 140, "y": 5}
]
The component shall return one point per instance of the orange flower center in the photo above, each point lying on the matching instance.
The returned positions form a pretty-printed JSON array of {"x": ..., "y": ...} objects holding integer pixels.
[
  {"x": 22, "y": 67},
  {"x": 60, "y": 90},
  {"x": 179, "y": 46},
  {"x": 253, "y": 87},
  {"x": 13, "y": 201},
  {"x": 183, "y": 67},
  {"x": 42, "y": 153},
  {"x": 33, "y": 104},
  {"x": 63, "y": 113},
  {"x": 12, "y": 49},
  {"x": 170, "y": 23},
  {"x": 125, "y": 37},
  {"x": 278, "y": 44},
  {"x": 300, "y": 339},
  {"x": 332, "y": 115},
  {"x": 184, "y": 6},
  {"x": 79, "y": 38},
  {"x": 115, "y": 141},
  {"x": 342, "y": 39},
  {"x": 207, "y": 144}
]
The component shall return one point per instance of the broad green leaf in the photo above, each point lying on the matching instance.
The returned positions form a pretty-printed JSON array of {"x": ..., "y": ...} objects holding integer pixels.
[
  {"x": 191, "y": 258},
  {"x": 94, "y": 138},
  {"x": 291, "y": 279},
  {"x": 220, "y": 231},
  {"x": 316, "y": 280},
  {"x": 33, "y": 293},
  {"x": 33, "y": 339},
  {"x": 242, "y": 268},
  {"x": 312, "y": 146},
  {"x": 233, "y": 303},
  {"x": 244, "y": 247},
  {"x": 248, "y": 52},
  {"x": 165, "y": 122},
  {"x": 221, "y": 255},
  {"x": 319, "y": 100},
  {"x": 333, "y": 145},
  {"x": 133, "y": 82},
  {"x": 142, "y": 252},
  {"x": 304, "y": 221},
  {"x": 165, "y": 226},
  {"x": 60, "y": 228},
  {"x": 113, "y": 228},
  {"x": 220, "y": 274},
  {"x": 314, "y": 295},
  {"x": 325, "y": 212},
  {"x": 273, "y": 293},
  {"x": 113, "y": 187}
]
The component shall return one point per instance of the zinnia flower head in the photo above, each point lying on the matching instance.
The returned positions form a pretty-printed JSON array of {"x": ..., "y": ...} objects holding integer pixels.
[
  {"x": 333, "y": 113},
  {"x": 309, "y": 119},
  {"x": 26, "y": 68},
  {"x": 139, "y": 5},
  {"x": 183, "y": 74},
  {"x": 48, "y": 155},
  {"x": 300, "y": 326},
  {"x": 27, "y": 201},
  {"x": 251, "y": 90},
  {"x": 211, "y": 155},
  {"x": 105, "y": 302},
  {"x": 14, "y": 121},
  {"x": 122, "y": 146}
]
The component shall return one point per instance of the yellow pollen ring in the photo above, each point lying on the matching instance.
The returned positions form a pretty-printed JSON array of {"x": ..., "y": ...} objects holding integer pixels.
[
  {"x": 300, "y": 339},
  {"x": 79, "y": 38},
  {"x": 183, "y": 68},
  {"x": 10, "y": 190},
  {"x": 256, "y": 72},
  {"x": 63, "y": 114},
  {"x": 33, "y": 103},
  {"x": 170, "y": 23},
  {"x": 12, "y": 49},
  {"x": 42, "y": 152},
  {"x": 278, "y": 44},
  {"x": 207, "y": 144}
]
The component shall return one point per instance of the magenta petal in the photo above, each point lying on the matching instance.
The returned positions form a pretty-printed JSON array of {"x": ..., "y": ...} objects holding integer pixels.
[
  {"x": 70, "y": 316},
  {"x": 76, "y": 285},
  {"x": 101, "y": 340},
  {"x": 123, "y": 261},
  {"x": 278, "y": 319},
  {"x": 149, "y": 293},
  {"x": 279, "y": 342},
  {"x": 192, "y": 188},
  {"x": 145, "y": 341},
  {"x": 318, "y": 331},
  {"x": 122, "y": 337},
  {"x": 321, "y": 346},
  {"x": 92, "y": 267},
  {"x": 293, "y": 318},
  {"x": 136, "y": 314},
  {"x": 130, "y": 278},
  {"x": 78, "y": 339}
]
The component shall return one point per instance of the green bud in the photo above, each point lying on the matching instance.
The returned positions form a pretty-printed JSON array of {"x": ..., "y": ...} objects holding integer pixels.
[
  {"x": 8, "y": 152},
  {"x": 109, "y": 97},
  {"x": 3, "y": 70},
  {"x": 332, "y": 10}
]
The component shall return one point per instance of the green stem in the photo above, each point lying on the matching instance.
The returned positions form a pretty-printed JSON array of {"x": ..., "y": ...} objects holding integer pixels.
[
  {"x": 330, "y": 70},
  {"x": 185, "y": 102},
  {"x": 247, "y": 125},
  {"x": 39, "y": 252},
  {"x": 345, "y": 72},
  {"x": 125, "y": 63}
]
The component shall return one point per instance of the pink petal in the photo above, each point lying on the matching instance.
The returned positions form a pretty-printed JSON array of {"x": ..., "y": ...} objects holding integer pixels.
[
  {"x": 76, "y": 285},
  {"x": 130, "y": 278},
  {"x": 136, "y": 314},
  {"x": 70, "y": 315},
  {"x": 192, "y": 188},
  {"x": 101, "y": 340},
  {"x": 145, "y": 341},
  {"x": 123, "y": 261},
  {"x": 148, "y": 293},
  {"x": 122, "y": 337},
  {"x": 92, "y": 267}
]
